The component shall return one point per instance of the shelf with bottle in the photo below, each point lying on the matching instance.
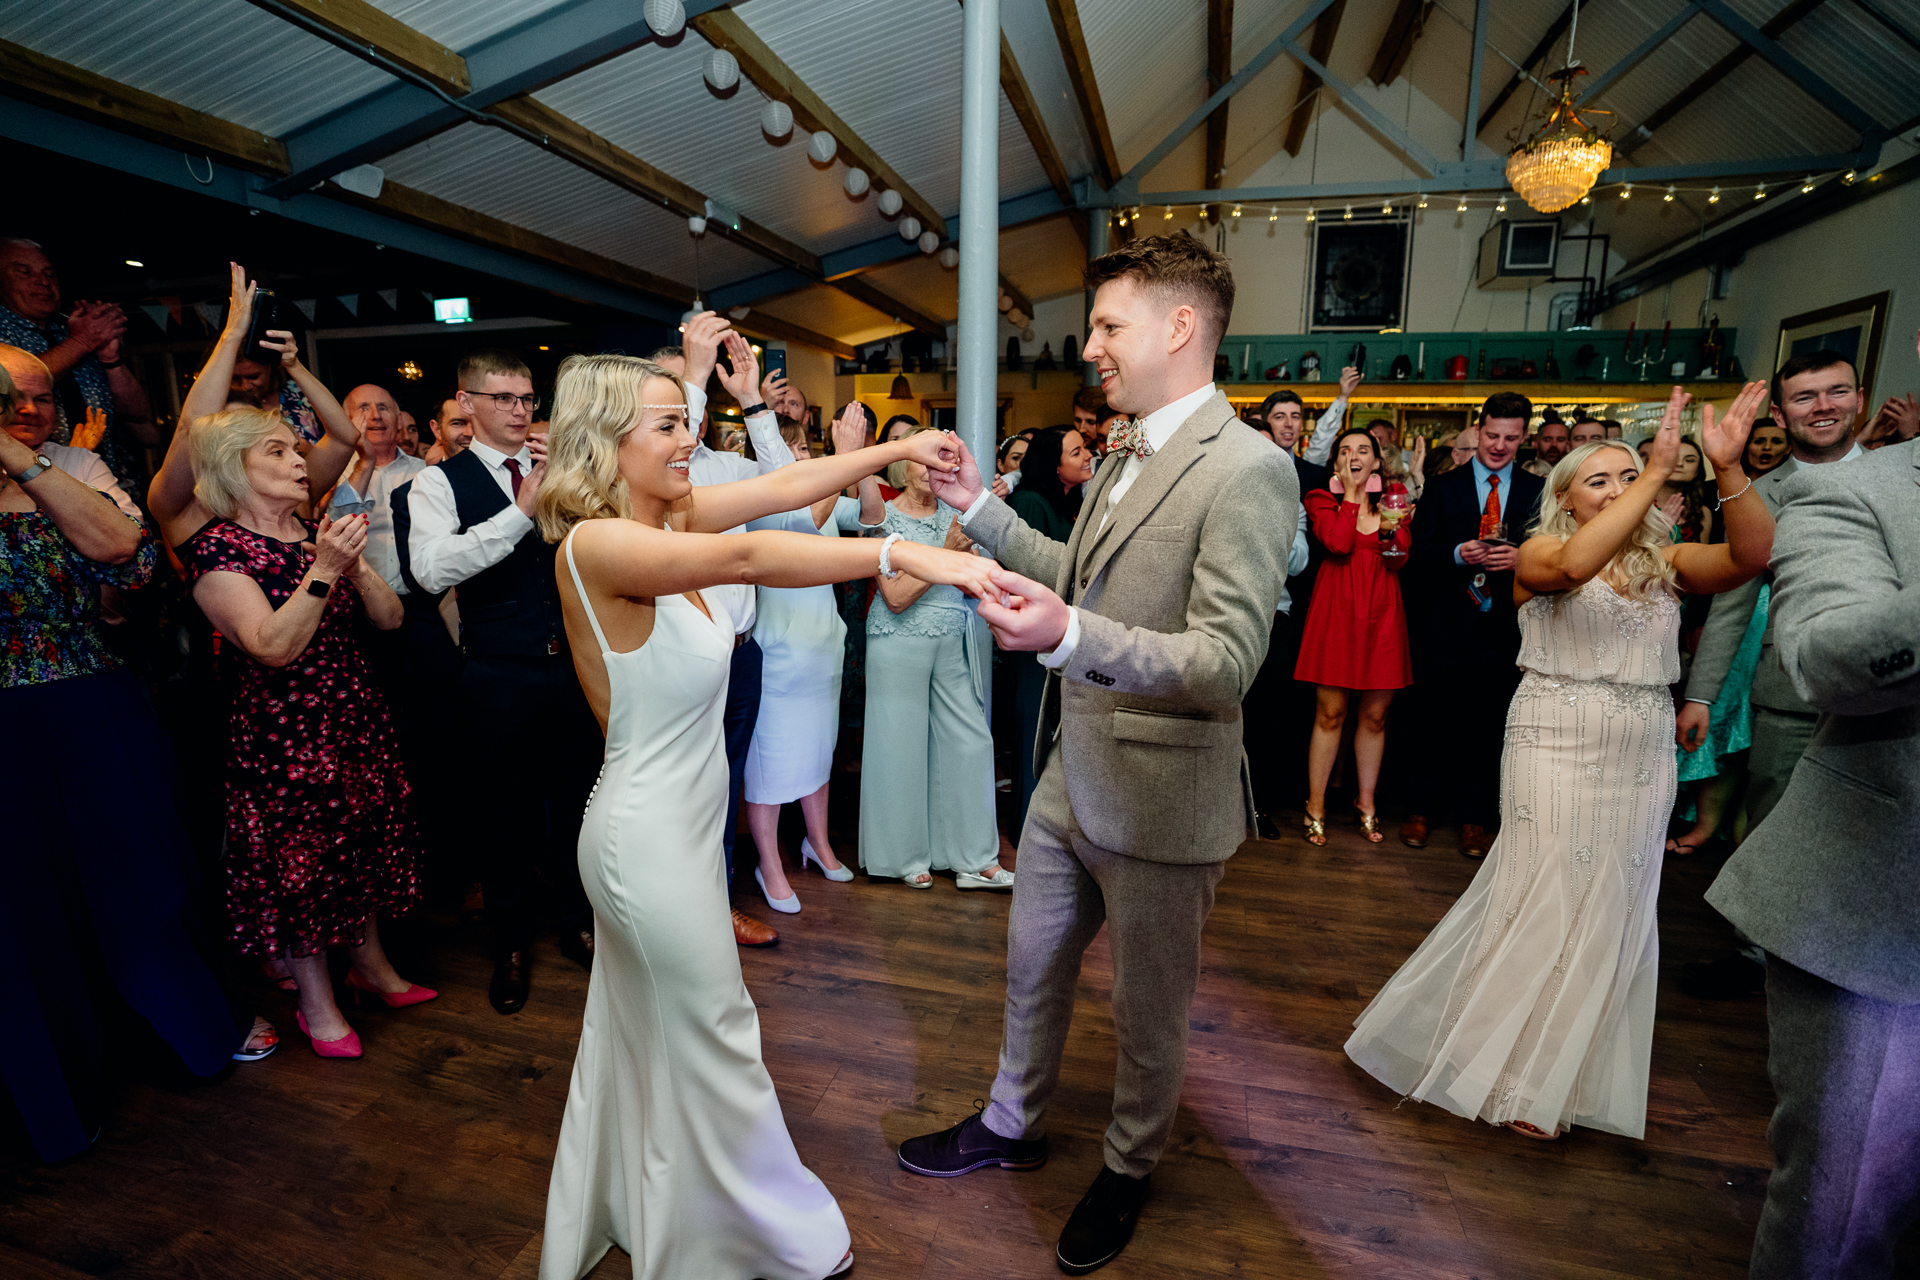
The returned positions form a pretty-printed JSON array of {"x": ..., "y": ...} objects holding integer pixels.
[{"x": 1607, "y": 356}]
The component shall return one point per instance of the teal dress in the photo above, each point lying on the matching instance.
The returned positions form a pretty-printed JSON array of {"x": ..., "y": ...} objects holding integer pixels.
[{"x": 1730, "y": 727}]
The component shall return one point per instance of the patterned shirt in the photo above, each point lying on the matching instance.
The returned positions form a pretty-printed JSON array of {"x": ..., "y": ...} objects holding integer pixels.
[{"x": 52, "y": 596}]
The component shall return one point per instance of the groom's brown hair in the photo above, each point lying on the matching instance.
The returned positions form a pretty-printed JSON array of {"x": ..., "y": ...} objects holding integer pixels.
[{"x": 1179, "y": 269}]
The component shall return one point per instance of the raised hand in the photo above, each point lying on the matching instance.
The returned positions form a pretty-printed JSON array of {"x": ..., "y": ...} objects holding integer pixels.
[
  {"x": 282, "y": 341},
  {"x": 958, "y": 487},
  {"x": 1028, "y": 618},
  {"x": 849, "y": 430},
  {"x": 240, "y": 298},
  {"x": 1349, "y": 379},
  {"x": 744, "y": 379},
  {"x": 700, "y": 339},
  {"x": 1673, "y": 507},
  {"x": 1663, "y": 452},
  {"x": 1725, "y": 441},
  {"x": 90, "y": 431},
  {"x": 530, "y": 486},
  {"x": 774, "y": 391},
  {"x": 337, "y": 546},
  {"x": 943, "y": 567}
]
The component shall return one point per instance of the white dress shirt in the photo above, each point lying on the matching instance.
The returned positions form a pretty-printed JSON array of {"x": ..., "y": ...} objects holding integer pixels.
[
  {"x": 381, "y": 551},
  {"x": 1159, "y": 427},
  {"x": 713, "y": 466},
  {"x": 1320, "y": 443},
  {"x": 85, "y": 466},
  {"x": 443, "y": 558}
]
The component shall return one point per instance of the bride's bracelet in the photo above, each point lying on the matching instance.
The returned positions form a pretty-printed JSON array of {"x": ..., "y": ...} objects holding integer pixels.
[
  {"x": 1730, "y": 497},
  {"x": 886, "y": 556}
]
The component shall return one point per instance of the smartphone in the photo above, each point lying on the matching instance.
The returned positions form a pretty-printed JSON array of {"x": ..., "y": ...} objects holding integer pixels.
[
  {"x": 773, "y": 360},
  {"x": 266, "y": 315}
]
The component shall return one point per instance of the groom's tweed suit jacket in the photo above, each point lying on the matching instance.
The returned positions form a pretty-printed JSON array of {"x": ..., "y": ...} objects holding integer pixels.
[{"x": 1177, "y": 595}]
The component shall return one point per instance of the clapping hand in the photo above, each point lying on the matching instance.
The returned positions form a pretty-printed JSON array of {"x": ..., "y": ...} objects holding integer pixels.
[
  {"x": 90, "y": 431},
  {"x": 1025, "y": 617},
  {"x": 337, "y": 546},
  {"x": 240, "y": 299},
  {"x": 743, "y": 380},
  {"x": 849, "y": 430},
  {"x": 1663, "y": 451},
  {"x": 96, "y": 325},
  {"x": 959, "y": 485},
  {"x": 1673, "y": 507},
  {"x": 1898, "y": 420},
  {"x": 1725, "y": 441},
  {"x": 530, "y": 486}
]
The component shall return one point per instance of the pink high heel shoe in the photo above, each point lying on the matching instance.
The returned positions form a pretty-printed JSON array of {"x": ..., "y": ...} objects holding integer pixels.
[
  {"x": 347, "y": 1046},
  {"x": 414, "y": 994}
]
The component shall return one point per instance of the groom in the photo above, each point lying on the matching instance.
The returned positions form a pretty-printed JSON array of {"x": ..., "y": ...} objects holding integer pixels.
[{"x": 1154, "y": 624}]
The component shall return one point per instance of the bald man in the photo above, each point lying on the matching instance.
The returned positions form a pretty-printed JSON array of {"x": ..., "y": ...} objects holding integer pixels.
[
  {"x": 35, "y": 418},
  {"x": 380, "y": 469}
]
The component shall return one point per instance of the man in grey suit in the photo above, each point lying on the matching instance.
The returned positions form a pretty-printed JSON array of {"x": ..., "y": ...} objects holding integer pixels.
[
  {"x": 1818, "y": 400},
  {"x": 1154, "y": 624},
  {"x": 1829, "y": 884}
]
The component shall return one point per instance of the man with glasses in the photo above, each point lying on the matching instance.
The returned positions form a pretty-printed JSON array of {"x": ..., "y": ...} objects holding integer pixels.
[{"x": 523, "y": 711}]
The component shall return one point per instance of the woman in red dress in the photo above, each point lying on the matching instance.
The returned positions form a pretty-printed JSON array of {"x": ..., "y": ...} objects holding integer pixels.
[{"x": 1355, "y": 640}]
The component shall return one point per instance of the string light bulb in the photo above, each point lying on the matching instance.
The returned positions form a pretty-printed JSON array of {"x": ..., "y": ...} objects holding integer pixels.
[
  {"x": 1713, "y": 196},
  {"x": 1236, "y": 213},
  {"x": 1502, "y": 206},
  {"x": 1311, "y": 215},
  {"x": 1423, "y": 200},
  {"x": 1462, "y": 206},
  {"x": 1386, "y": 206},
  {"x": 1806, "y": 184},
  {"x": 1760, "y": 191},
  {"x": 1586, "y": 199},
  {"x": 1668, "y": 198},
  {"x": 1169, "y": 217},
  {"x": 1849, "y": 177},
  {"x": 1626, "y": 191},
  {"x": 1273, "y": 213},
  {"x": 1348, "y": 215}
]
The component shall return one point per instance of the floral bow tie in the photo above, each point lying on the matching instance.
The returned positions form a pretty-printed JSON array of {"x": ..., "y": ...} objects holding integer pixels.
[{"x": 1129, "y": 438}]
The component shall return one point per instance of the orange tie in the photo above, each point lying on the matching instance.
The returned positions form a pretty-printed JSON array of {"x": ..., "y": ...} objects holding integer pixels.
[{"x": 1490, "y": 518}]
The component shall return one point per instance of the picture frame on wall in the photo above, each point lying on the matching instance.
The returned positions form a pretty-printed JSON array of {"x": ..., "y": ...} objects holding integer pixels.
[
  {"x": 1853, "y": 329},
  {"x": 1360, "y": 275}
]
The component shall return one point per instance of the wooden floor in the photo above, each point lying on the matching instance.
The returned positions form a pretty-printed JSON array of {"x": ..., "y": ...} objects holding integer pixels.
[{"x": 881, "y": 1014}]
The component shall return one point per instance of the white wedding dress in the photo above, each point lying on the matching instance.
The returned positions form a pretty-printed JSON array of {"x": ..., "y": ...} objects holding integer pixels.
[
  {"x": 673, "y": 1146},
  {"x": 1533, "y": 999}
]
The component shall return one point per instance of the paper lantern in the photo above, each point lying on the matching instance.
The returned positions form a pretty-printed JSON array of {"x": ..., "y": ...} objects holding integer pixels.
[
  {"x": 777, "y": 119},
  {"x": 890, "y": 202},
  {"x": 858, "y": 182},
  {"x": 909, "y": 228},
  {"x": 949, "y": 257},
  {"x": 1026, "y": 335},
  {"x": 667, "y": 18},
  {"x": 723, "y": 71},
  {"x": 929, "y": 241},
  {"x": 1018, "y": 318},
  {"x": 822, "y": 146},
  {"x": 697, "y": 224},
  {"x": 1005, "y": 302}
]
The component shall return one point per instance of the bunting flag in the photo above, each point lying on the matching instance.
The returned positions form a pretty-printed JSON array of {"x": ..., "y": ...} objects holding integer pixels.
[
  {"x": 209, "y": 313},
  {"x": 173, "y": 308},
  {"x": 351, "y": 301},
  {"x": 391, "y": 297},
  {"x": 307, "y": 306},
  {"x": 428, "y": 295},
  {"x": 156, "y": 312}
]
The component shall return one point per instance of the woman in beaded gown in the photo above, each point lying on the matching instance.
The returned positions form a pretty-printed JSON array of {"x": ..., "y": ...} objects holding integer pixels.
[{"x": 1531, "y": 1003}]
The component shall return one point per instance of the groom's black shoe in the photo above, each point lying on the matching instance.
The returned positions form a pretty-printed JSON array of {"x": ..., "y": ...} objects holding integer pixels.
[
  {"x": 508, "y": 990},
  {"x": 967, "y": 1146},
  {"x": 1101, "y": 1223}
]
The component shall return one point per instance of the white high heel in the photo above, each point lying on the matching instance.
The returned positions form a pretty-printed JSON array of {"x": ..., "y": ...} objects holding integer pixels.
[
  {"x": 790, "y": 904},
  {"x": 841, "y": 873}
]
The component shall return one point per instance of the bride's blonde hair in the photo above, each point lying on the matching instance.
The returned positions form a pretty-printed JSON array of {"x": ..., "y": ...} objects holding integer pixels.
[
  {"x": 1641, "y": 560},
  {"x": 596, "y": 402}
]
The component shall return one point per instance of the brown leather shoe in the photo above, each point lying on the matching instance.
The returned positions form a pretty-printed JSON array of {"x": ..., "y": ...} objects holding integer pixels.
[
  {"x": 749, "y": 932},
  {"x": 1413, "y": 832},
  {"x": 1474, "y": 841}
]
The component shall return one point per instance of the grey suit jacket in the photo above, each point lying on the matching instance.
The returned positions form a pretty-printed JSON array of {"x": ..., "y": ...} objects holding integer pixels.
[
  {"x": 1176, "y": 596},
  {"x": 1831, "y": 880},
  {"x": 1727, "y": 626}
]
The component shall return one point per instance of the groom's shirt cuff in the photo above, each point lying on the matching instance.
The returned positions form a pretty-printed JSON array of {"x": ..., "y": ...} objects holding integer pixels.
[
  {"x": 974, "y": 506},
  {"x": 1063, "y": 654}
]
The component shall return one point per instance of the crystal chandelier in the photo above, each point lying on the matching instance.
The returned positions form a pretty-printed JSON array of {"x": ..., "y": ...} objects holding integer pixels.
[{"x": 1560, "y": 161}]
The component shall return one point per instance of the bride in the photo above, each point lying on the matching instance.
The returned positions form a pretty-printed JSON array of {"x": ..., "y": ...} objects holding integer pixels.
[
  {"x": 1531, "y": 1003},
  {"x": 673, "y": 1146}
]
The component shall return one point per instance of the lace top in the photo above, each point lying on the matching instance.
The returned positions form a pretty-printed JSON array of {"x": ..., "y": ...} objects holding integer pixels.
[
  {"x": 1594, "y": 633},
  {"x": 940, "y": 610}
]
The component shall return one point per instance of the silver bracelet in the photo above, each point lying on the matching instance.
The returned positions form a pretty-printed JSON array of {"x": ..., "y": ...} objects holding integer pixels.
[
  {"x": 1730, "y": 497},
  {"x": 886, "y": 556}
]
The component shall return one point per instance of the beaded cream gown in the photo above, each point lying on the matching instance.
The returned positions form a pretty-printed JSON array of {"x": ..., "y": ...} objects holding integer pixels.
[
  {"x": 673, "y": 1145},
  {"x": 1533, "y": 999}
]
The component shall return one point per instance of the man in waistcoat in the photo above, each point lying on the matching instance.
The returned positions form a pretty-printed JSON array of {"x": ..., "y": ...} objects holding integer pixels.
[{"x": 524, "y": 716}]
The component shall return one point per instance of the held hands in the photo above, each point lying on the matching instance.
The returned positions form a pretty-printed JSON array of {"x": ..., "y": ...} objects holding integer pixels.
[
  {"x": 1025, "y": 617},
  {"x": 530, "y": 486},
  {"x": 959, "y": 485},
  {"x": 90, "y": 431},
  {"x": 744, "y": 378},
  {"x": 1726, "y": 441},
  {"x": 941, "y": 453},
  {"x": 1690, "y": 726},
  {"x": 337, "y": 547},
  {"x": 944, "y": 567}
]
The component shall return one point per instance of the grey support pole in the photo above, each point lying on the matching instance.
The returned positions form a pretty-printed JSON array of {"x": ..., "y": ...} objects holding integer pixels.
[
  {"x": 1099, "y": 241},
  {"x": 977, "y": 387}
]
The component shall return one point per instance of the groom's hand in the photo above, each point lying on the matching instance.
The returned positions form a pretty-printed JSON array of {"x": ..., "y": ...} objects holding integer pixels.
[
  {"x": 1032, "y": 620},
  {"x": 958, "y": 489}
]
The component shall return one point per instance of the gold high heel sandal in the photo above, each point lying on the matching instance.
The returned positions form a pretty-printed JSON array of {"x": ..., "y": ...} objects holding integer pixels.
[
  {"x": 1370, "y": 823},
  {"x": 1316, "y": 829}
]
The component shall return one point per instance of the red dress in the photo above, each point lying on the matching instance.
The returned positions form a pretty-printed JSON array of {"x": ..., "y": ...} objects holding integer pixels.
[
  {"x": 318, "y": 833},
  {"x": 1356, "y": 632}
]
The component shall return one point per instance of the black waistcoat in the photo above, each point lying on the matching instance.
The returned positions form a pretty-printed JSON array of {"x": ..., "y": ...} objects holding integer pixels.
[{"x": 509, "y": 609}]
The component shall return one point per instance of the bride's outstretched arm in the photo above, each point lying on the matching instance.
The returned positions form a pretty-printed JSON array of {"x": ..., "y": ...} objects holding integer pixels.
[
  {"x": 1708, "y": 569},
  {"x": 1547, "y": 564},
  {"x": 623, "y": 558},
  {"x": 719, "y": 507}
]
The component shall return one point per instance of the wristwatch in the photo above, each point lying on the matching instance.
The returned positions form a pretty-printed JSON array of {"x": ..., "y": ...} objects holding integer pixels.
[
  {"x": 41, "y": 462},
  {"x": 319, "y": 588}
]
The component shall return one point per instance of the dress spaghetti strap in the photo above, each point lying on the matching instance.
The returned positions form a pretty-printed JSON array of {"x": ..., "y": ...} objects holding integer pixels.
[{"x": 585, "y": 603}]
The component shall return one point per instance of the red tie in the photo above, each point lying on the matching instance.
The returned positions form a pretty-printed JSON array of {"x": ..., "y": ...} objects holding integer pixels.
[
  {"x": 1489, "y": 519},
  {"x": 513, "y": 469}
]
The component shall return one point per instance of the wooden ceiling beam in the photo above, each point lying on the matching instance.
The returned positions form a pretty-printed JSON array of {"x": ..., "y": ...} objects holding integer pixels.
[
  {"x": 1021, "y": 302},
  {"x": 77, "y": 92},
  {"x": 1013, "y": 82},
  {"x": 359, "y": 28},
  {"x": 724, "y": 29},
  {"x": 1325, "y": 28},
  {"x": 862, "y": 290},
  {"x": 1219, "y": 71},
  {"x": 1404, "y": 29},
  {"x": 1086, "y": 87}
]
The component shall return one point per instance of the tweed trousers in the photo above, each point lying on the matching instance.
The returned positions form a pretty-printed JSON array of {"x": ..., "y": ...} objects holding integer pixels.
[{"x": 1155, "y": 912}]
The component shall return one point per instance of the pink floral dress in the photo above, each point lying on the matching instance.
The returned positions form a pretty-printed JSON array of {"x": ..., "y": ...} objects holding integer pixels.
[{"x": 318, "y": 831}]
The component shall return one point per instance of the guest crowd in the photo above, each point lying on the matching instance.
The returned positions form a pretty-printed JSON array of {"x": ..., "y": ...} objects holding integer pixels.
[{"x": 336, "y": 602}]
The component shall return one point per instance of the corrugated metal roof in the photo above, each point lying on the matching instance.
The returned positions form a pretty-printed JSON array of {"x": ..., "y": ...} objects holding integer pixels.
[
  {"x": 223, "y": 57},
  {"x": 1861, "y": 58},
  {"x": 461, "y": 24},
  {"x": 1150, "y": 57}
]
